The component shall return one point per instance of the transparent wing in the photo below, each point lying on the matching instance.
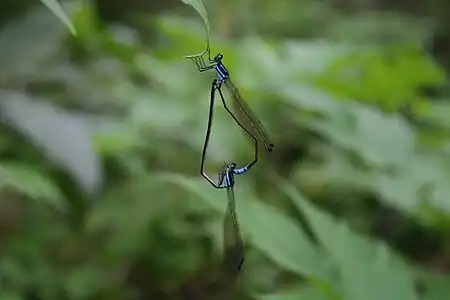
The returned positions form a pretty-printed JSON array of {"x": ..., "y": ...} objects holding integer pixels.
[
  {"x": 234, "y": 247},
  {"x": 247, "y": 116},
  {"x": 221, "y": 174}
]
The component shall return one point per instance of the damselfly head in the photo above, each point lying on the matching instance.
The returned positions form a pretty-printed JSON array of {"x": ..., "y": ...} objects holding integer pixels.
[
  {"x": 227, "y": 167},
  {"x": 231, "y": 166},
  {"x": 218, "y": 58}
]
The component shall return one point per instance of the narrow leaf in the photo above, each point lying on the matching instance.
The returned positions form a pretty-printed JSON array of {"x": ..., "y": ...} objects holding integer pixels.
[
  {"x": 56, "y": 8},
  {"x": 30, "y": 182},
  {"x": 200, "y": 8}
]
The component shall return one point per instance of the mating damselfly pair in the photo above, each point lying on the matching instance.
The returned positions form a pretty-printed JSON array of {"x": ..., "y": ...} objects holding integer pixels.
[{"x": 234, "y": 250}]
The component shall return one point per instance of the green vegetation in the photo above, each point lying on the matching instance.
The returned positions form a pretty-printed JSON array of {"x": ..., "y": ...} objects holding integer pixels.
[{"x": 101, "y": 133}]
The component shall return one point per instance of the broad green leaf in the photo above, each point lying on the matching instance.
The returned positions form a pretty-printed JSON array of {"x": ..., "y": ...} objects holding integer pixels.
[
  {"x": 369, "y": 270},
  {"x": 31, "y": 182},
  {"x": 307, "y": 98},
  {"x": 383, "y": 27},
  {"x": 29, "y": 42},
  {"x": 84, "y": 282},
  {"x": 393, "y": 76},
  {"x": 307, "y": 57},
  {"x": 56, "y": 8},
  {"x": 307, "y": 292},
  {"x": 200, "y": 8},
  {"x": 280, "y": 238},
  {"x": 380, "y": 139},
  {"x": 437, "y": 114},
  {"x": 62, "y": 138},
  {"x": 9, "y": 296},
  {"x": 424, "y": 180},
  {"x": 437, "y": 286},
  {"x": 127, "y": 219},
  {"x": 420, "y": 183}
]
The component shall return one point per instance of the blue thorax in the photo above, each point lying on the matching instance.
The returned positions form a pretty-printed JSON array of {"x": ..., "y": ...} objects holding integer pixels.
[
  {"x": 221, "y": 70},
  {"x": 222, "y": 73},
  {"x": 228, "y": 180}
]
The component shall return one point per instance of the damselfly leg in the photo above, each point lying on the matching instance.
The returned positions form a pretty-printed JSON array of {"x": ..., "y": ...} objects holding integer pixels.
[
  {"x": 245, "y": 113},
  {"x": 208, "y": 135},
  {"x": 200, "y": 62},
  {"x": 215, "y": 87},
  {"x": 255, "y": 140}
]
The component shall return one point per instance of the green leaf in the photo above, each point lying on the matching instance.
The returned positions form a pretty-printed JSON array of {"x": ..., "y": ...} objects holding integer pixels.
[
  {"x": 56, "y": 8},
  {"x": 30, "y": 182},
  {"x": 378, "y": 138},
  {"x": 437, "y": 114},
  {"x": 29, "y": 42},
  {"x": 423, "y": 181},
  {"x": 297, "y": 253},
  {"x": 127, "y": 219},
  {"x": 200, "y": 8},
  {"x": 63, "y": 139},
  {"x": 369, "y": 270},
  {"x": 403, "y": 68},
  {"x": 307, "y": 292},
  {"x": 381, "y": 27},
  {"x": 84, "y": 282},
  {"x": 437, "y": 286},
  {"x": 9, "y": 296}
]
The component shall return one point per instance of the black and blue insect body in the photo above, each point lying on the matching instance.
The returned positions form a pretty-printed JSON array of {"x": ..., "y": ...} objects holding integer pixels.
[
  {"x": 257, "y": 131},
  {"x": 234, "y": 247}
]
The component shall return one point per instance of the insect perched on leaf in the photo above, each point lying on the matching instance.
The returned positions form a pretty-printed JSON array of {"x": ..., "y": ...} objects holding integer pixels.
[{"x": 245, "y": 113}]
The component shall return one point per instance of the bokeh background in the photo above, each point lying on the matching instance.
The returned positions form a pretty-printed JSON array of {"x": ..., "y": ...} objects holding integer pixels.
[{"x": 101, "y": 135}]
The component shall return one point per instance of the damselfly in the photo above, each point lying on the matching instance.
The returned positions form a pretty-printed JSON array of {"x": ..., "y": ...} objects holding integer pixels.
[
  {"x": 223, "y": 79},
  {"x": 234, "y": 247},
  {"x": 208, "y": 135}
]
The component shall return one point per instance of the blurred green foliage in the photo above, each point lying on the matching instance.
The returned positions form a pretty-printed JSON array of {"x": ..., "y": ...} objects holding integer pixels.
[{"x": 100, "y": 196}]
